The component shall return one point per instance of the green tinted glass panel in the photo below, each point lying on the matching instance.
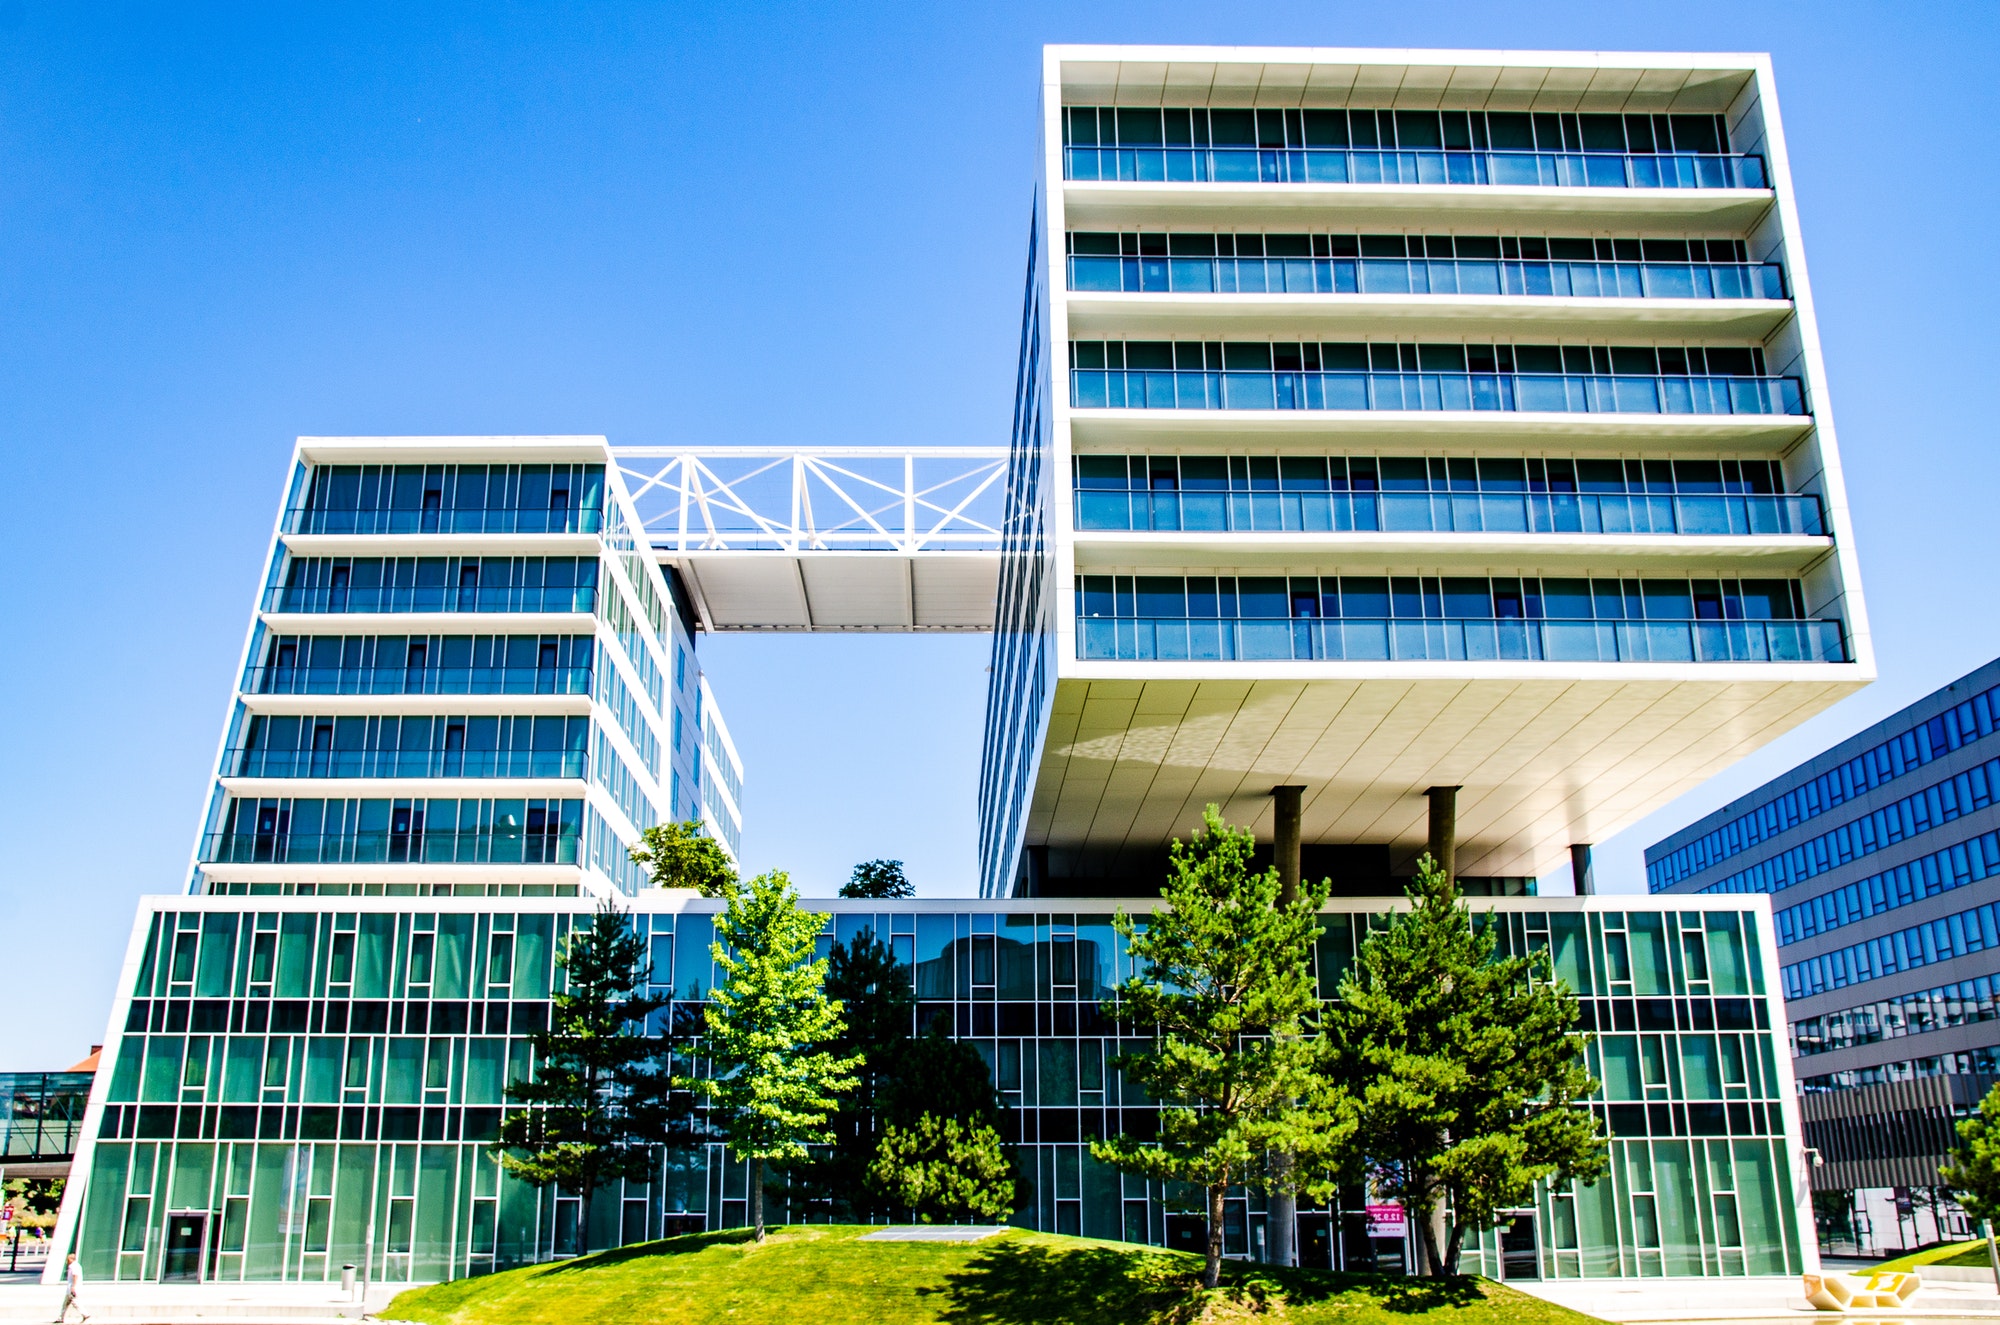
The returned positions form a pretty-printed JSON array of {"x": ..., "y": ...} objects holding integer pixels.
[
  {"x": 1728, "y": 972},
  {"x": 1650, "y": 971}
]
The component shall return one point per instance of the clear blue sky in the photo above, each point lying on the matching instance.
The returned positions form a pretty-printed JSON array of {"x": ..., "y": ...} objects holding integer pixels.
[{"x": 221, "y": 227}]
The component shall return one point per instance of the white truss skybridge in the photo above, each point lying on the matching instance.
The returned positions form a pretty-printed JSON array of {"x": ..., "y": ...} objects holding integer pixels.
[{"x": 826, "y": 537}]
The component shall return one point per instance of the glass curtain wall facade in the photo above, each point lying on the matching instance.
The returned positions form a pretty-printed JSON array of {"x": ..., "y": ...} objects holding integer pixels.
[
  {"x": 287, "y": 1074},
  {"x": 1361, "y": 416},
  {"x": 1882, "y": 861},
  {"x": 466, "y": 674}
]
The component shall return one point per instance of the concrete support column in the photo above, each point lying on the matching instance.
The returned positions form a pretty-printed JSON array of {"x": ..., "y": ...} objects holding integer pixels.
[
  {"x": 1444, "y": 829},
  {"x": 1285, "y": 813},
  {"x": 1579, "y": 869},
  {"x": 1281, "y": 1209},
  {"x": 1443, "y": 847}
]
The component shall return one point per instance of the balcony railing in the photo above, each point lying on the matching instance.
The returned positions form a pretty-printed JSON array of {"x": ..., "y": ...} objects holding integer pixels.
[
  {"x": 1451, "y": 512},
  {"x": 1340, "y": 165},
  {"x": 1553, "y": 393},
  {"x": 533, "y": 520},
  {"x": 1348, "y": 639},
  {"x": 1597, "y": 280},
  {"x": 417, "y": 681},
  {"x": 440, "y": 846},
  {"x": 431, "y": 598},
  {"x": 251, "y": 762}
]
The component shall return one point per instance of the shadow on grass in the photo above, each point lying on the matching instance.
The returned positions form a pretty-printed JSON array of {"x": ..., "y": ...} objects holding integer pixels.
[
  {"x": 685, "y": 1245},
  {"x": 1025, "y": 1283}
]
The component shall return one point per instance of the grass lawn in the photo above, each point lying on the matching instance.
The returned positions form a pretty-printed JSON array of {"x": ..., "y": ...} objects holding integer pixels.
[
  {"x": 1971, "y": 1254},
  {"x": 821, "y": 1275}
]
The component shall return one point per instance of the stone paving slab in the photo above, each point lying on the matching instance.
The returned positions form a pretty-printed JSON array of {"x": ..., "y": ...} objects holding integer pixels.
[
  {"x": 1751, "y": 1301},
  {"x": 190, "y": 1304},
  {"x": 935, "y": 1233}
]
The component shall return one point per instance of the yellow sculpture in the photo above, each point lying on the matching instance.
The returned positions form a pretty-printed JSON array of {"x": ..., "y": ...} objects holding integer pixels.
[{"x": 1883, "y": 1290}]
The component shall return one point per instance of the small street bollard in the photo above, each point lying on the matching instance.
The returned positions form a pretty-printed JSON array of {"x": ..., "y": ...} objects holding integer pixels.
[{"x": 347, "y": 1280}]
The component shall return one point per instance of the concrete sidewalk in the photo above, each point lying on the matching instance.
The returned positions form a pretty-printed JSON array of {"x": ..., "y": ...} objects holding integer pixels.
[
  {"x": 184, "y": 1304},
  {"x": 1745, "y": 1301}
]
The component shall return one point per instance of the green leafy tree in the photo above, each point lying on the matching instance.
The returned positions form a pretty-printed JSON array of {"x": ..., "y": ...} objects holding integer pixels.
[
  {"x": 944, "y": 1170},
  {"x": 1236, "y": 1058},
  {"x": 769, "y": 1020},
  {"x": 681, "y": 855},
  {"x": 599, "y": 1099},
  {"x": 1974, "y": 1171},
  {"x": 1472, "y": 1077},
  {"x": 878, "y": 878}
]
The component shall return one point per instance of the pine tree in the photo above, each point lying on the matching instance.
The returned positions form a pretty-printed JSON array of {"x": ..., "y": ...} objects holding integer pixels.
[
  {"x": 879, "y": 1011},
  {"x": 1473, "y": 1077},
  {"x": 878, "y": 878},
  {"x": 598, "y": 1103},
  {"x": 682, "y": 855},
  {"x": 769, "y": 1019},
  {"x": 1235, "y": 1061},
  {"x": 943, "y": 1170}
]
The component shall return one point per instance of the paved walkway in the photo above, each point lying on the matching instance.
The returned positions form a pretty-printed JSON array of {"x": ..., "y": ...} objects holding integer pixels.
[
  {"x": 186, "y": 1304},
  {"x": 1683, "y": 1301}
]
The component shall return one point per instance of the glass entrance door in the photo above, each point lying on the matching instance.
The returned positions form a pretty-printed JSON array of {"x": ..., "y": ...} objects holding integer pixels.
[
  {"x": 187, "y": 1234},
  {"x": 1520, "y": 1250}
]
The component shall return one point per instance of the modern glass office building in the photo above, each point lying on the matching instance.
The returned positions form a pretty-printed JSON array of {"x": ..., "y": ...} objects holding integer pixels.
[
  {"x": 465, "y": 672},
  {"x": 297, "y": 1083},
  {"x": 1413, "y": 451},
  {"x": 1882, "y": 860},
  {"x": 1388, "y": 424}
]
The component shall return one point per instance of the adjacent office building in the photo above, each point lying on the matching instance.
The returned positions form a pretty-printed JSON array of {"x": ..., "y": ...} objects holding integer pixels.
[
  {"x": 1414, "y": 451},
  {"x": 1882, "y": 860}
]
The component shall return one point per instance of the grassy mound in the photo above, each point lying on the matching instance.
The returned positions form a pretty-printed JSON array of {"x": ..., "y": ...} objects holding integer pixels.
[
  {"x": 1972, "y": 1254},
  {"x": 822, "y": 1275}
]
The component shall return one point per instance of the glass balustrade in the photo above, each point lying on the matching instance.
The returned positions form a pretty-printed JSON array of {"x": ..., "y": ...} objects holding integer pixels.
[
  {"x": 1599, "y": 280},
  {"x": 1338, "y": 165},
  {"x": 254, "y": 762},
  {"x": 432, "y": 520},
  {"x": 302, "y": 680},
  {"x": 431, "y": 598},
  {"x": 1352, "y": 639},
  {"x": 1552, "y": 393},
  {"x": 1450, "y": 512}
]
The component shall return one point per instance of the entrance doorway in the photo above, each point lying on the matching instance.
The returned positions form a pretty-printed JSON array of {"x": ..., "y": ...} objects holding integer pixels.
[
  {"x": 187, "y": 1236},
  {"x": 1316, "y": 1242},
  {"x": 1188, "y": 1233},
  {"x": 1520, "y": 1250}
]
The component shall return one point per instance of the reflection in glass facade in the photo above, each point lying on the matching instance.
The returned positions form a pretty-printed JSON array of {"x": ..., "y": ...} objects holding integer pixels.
[{"x": 294, "y": 1072}]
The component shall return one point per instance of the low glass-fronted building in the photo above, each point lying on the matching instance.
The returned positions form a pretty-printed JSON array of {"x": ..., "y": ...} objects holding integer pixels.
[{"x": 297, "y": 1083}]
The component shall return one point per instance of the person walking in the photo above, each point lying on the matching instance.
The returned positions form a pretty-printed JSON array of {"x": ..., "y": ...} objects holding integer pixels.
[{"x": 72, "y": 1286}]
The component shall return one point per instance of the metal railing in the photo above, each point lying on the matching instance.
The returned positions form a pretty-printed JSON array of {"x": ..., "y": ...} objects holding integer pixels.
[
  {"x": 1553, "y": 393},
  {"x": 430, "y": 598},
  {"x": 1600, "y": 280},
  {"x": 298, "y": 680},
  {"x": 500, "y": 520},
  {"x": 907, "y": 500},
  {"x": 1450, "y": 512},
  {"x": 257, "y": 762},
  {"x": 1347, "y": 165},
  {"x": 1209, "y": 639},
  {"x": 387, "y": 846}
]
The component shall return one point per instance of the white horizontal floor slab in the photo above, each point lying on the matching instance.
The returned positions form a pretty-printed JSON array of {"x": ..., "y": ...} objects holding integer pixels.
[
  {"x": 1097, "y": 205},
  {"x": 1337, "y": 316},
  {"x": 1485, "y": 431}
]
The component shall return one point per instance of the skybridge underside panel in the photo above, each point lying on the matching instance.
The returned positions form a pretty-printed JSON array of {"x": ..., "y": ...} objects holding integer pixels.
[
  {"x": 841, "y": 591},
  {"x": 1130, "y": 763}
]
